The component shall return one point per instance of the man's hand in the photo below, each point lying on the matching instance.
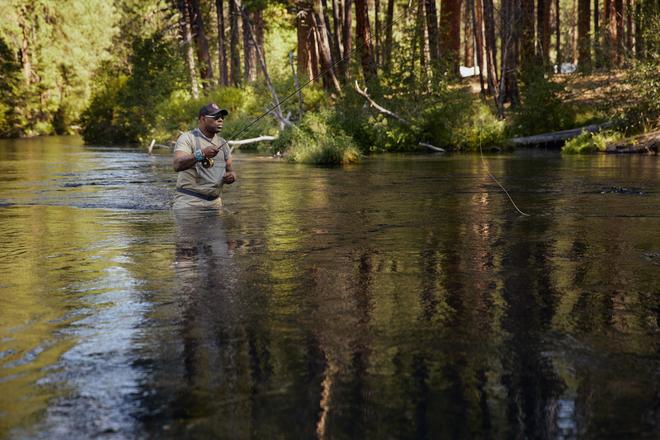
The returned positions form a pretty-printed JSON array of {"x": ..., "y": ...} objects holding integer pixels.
[
  {"x": 229, "y": 178},
  {"x": 210, "y": 151}
]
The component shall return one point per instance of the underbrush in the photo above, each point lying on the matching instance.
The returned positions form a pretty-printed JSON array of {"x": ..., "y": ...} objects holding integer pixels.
[
  {"x": 316, "y": 141},
  {"x": 451, "y": 119}
]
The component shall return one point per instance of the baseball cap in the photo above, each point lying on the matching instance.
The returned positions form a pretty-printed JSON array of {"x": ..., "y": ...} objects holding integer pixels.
[{"x": 213, "y": 110}]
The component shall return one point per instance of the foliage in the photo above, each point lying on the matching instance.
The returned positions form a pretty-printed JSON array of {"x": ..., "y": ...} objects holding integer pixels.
[
  {"x": 125, "y": 110},
  {"x": 449, "y": 118},
  {"x": 10, "y": 100},
  {"x": 588, "y": 142},
  {"x": 64, "y": 47},
  {"x": 317, "y": 141},
  {"x": 459, "y": 121},
  {"x": 542, "y": 108},
  {"x": 644, "y": 81}
]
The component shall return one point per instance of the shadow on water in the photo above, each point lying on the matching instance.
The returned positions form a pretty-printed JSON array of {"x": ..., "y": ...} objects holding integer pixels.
[{"x": 402, "y": 298}]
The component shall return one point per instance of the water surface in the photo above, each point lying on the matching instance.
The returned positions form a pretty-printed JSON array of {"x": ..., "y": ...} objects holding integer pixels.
[{"x": 400, "y": 298}]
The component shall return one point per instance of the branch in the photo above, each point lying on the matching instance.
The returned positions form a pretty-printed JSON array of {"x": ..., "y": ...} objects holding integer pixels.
[
  {"x": 393, "y": 115},
  {"x": 380, "y": 109}
]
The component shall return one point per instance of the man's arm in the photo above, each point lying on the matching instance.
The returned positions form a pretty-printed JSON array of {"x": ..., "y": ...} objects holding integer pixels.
[
  {"x": 230, "y": 175},
  {"x": 183, "y": 160}
]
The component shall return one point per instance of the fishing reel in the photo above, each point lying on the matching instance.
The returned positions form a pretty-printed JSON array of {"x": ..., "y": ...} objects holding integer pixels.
[{"x": 207, "y": 162}]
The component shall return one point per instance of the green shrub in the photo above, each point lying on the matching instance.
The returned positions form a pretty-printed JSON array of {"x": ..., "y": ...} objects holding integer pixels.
[
  {"x": 460, "y": 121},
  {"x": 316, "y": 141},
  {"x": 452, "y": 119},
  {"x": 644, "y": 112},
  {"x": 542, "y": 109},
  {"x": 588, "y": 142},
  {"x": 123, "y": 108}
]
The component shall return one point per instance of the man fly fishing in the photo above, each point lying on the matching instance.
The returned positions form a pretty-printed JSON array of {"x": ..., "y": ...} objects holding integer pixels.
[{"x": 203, "y": 162}]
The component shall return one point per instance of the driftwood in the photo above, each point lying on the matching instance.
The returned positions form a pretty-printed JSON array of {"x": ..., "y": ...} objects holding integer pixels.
[
  {"x": 390, "y": 114},
  {"x": 262, "y": 138},
  {"x": 557, "y": 137},
  {"x": 644, "y": 143},
  {"x": 153, "y": 145}
]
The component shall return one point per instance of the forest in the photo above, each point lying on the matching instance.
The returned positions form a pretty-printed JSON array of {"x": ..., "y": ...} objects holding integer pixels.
[{"x": 338, "y": 79}]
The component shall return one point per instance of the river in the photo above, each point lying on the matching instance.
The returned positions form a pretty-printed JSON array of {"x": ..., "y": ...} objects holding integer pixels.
[{"x": 403, "y": 297}]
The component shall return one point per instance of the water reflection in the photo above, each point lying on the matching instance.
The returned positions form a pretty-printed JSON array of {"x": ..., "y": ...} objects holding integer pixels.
[{"x": 403, "y": 298}]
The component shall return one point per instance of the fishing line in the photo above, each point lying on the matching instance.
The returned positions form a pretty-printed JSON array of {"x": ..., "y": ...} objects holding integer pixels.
[{"x": 493, "y": 177}]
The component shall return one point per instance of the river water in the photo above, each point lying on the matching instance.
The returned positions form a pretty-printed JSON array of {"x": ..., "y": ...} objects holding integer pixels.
[{"x": 403, "y": 297}]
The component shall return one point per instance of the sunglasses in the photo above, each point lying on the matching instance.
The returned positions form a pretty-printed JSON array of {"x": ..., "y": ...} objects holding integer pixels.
[{"x": 217, "y": 117}]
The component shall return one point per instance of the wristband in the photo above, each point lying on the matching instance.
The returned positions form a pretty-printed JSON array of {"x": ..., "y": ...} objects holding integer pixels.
[{"x": 199, "y": 156}]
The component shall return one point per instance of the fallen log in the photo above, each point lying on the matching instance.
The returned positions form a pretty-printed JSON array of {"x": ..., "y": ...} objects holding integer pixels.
[
  {"x": 643, "y": 143},
  {"x": 234, "y": 144},
  {"x": 558, "y": 137}
]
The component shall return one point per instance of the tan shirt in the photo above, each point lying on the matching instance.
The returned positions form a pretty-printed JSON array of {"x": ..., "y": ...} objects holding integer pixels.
[{"x": 207, "y": 181}]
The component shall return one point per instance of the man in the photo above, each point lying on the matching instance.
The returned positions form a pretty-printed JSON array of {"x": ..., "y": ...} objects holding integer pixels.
[{"x": 203, "y": 162}]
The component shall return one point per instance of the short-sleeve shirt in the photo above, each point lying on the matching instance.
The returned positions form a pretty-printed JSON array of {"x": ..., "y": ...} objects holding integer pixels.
[{"x": 207, "y": 181}]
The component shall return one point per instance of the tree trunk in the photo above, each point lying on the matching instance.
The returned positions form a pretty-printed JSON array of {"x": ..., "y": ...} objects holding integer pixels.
[
  {"x": 364, "y": 40},
  {"x": 574, "y": 34},
  {"x": 249, "y": 51},
  {"x": 584, "y": 38},
  {"x": 610, "y": 34},
  {"x": 450, "y": 33},
  {"x": 387, "y": 52},
  {"x": 377, "y": 34},
  {"x": 510, "y": 19},
  {"x": 527, "y": 52},
  {"x": 639, "y": 40},
  {"x": 558, "y": 34},
  {"x": 491, "y": 48},
  {"x": 620, "y": 33},
  {"x": 477, "y": 29},
  {"x": 329, "y": 78},
  {"x": 186, "y": 35},
  {"x": 235, "y": 73},
  {"x": 323, "y": 13},
  {"x": 468, "y": 36},
  {"x": 629, "y": 29},
  {"x": 262, "y": 62},
  {"x": 598, "y": 56},
  {"x": 347, "y": 39},
  {"x": 203, "y": 54},
  {"x": 336, "y": 27},
  {"x": 432, "y": 29},
  {"x": 223, "y": 74},
  {"x": 422, "y": 38},
  {"x": 303, "y": 33},
  {"x": 543, "y": 31},
  {"x": 258, "y": 27}
]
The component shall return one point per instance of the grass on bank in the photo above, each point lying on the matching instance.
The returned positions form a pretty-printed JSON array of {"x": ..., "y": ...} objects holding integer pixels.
[{"x": 588, "y": 142}]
